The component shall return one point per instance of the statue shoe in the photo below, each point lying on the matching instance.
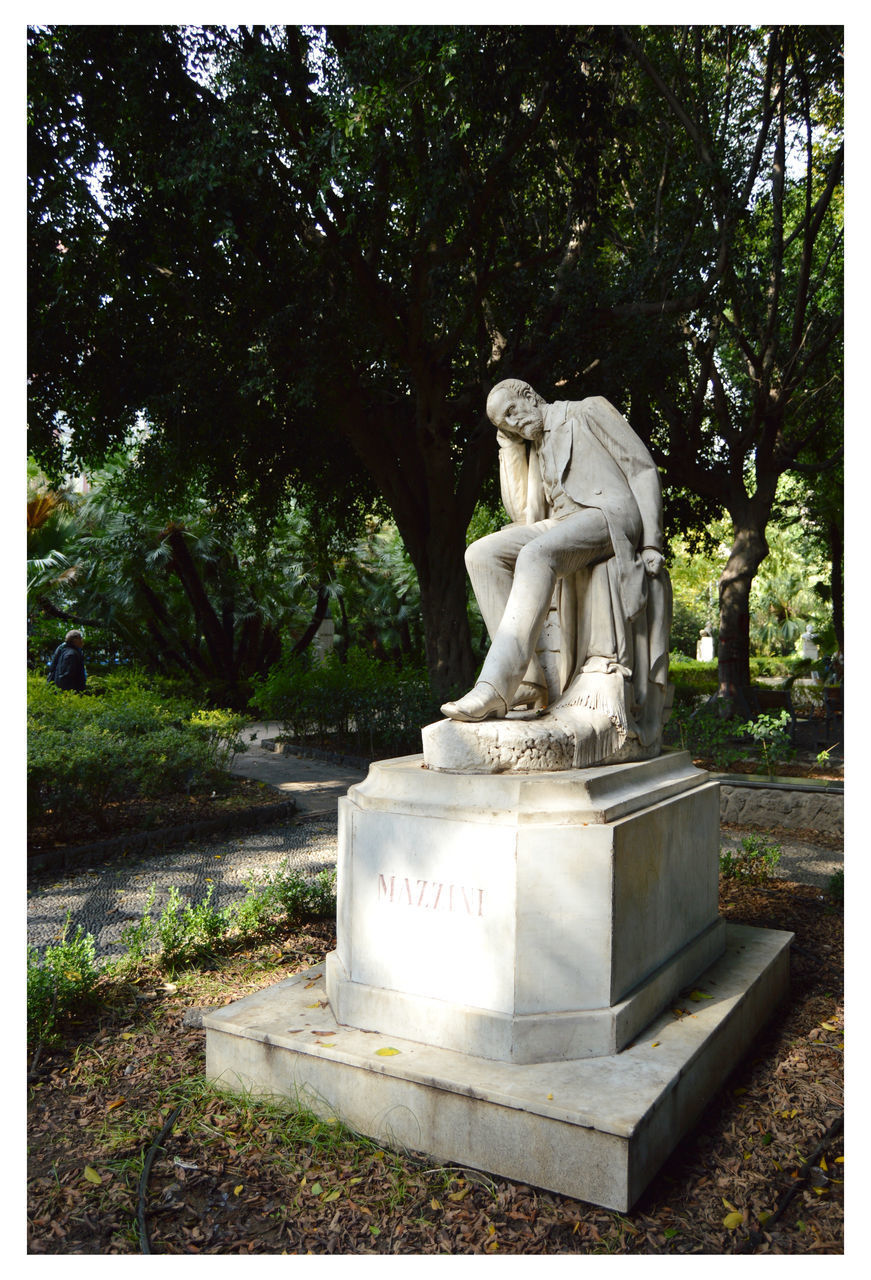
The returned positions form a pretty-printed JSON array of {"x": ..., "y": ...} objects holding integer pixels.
[
  {"x": 482, "y": 703},
  {"x": 530, "y": 695}
]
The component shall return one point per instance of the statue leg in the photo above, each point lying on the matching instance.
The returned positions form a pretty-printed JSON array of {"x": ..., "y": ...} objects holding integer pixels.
[
  {"x": 541, "y": 553},
  {"x": 490, "y": 563}
]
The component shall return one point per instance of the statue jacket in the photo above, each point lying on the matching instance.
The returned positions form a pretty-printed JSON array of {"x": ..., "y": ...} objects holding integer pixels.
[
  {"x": 601, "y": 463},
  {"x": 597, "y": 460}
]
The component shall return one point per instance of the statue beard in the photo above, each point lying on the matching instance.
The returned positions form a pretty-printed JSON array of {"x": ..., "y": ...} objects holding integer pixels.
[{"x": 531, "y": 429}]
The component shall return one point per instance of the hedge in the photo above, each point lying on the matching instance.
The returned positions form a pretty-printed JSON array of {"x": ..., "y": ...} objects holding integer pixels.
[{"x": 126, "y": 740}]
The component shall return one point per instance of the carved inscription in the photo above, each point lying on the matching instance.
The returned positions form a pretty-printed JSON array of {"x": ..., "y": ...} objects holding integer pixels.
[{"x": 430, "y": 895}]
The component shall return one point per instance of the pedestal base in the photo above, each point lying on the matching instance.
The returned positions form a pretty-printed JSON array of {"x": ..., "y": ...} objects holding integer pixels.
[
  {"x": 529, "y": 918},
  {"x": 595, "y": 1129}
]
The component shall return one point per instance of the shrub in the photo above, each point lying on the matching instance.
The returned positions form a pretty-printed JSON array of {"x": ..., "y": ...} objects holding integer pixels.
[
  {"x": 771, "y": 732},
  {"x": 369, "y": 706},
  {"x": 693, "y": 681},
  {"x": 63, "y": 979},
  {"x": 706, "y": 734},
  {"x": 129, "y": 740},
  {"x": 836, "y": 888},
  {"x": 753, "y": 863},
  {"x": 184, "y": 934}
]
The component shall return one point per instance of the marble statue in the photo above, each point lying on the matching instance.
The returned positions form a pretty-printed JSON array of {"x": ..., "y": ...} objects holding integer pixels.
[{"x": 574, "y": 594}]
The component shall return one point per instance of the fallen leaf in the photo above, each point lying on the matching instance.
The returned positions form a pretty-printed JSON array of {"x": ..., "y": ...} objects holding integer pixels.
[
  {"x": 386, "y": 1053},
  {"x": 237, "y": 1190},
  {"x": 700, "y": 995},
  {"x": 117, "y": 1103},
  {"x": 92, "y": 1175},
  {"x": 733, "y": 1220},
  {"x": 654, "y": 1044}
]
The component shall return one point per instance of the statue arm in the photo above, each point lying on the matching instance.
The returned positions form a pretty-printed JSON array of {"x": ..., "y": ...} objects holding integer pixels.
[{"x": 513, "y": 476}]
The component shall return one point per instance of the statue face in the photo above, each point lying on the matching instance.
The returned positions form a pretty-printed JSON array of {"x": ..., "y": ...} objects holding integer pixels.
[{"x": 517, "y": 415}]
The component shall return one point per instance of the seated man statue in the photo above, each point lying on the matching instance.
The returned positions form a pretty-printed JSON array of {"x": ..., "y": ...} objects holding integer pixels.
[{"x": 586, "y": 539}]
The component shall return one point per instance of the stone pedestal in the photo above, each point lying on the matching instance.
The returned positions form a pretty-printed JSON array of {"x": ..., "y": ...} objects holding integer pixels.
[
  {"x": 530, "y": 975},
  {"x": 528, "y": 918}
]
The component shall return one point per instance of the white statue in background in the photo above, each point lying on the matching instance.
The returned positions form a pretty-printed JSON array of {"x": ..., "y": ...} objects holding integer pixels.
[{"x": 586, "y": 541}]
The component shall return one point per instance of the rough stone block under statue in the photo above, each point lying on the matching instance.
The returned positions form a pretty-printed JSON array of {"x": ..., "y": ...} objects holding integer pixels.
[{"x": 525, "y": 918}]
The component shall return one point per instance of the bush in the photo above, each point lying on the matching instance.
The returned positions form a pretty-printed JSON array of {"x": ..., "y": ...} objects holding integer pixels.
[
  {"x": 693, "y": 681},
  {"x": 184, "y": 935},
  {"x": 772, "y": 734},
  {"x": 686, "y": 626},
  {"x": 835, "y": 888},
  {"x": 706, "y": 734},
  {"x": 126, "y": 741},
  {"x": 369, "y": 707},
  {"x": 753, "y": 863},
  {"x": 62, "y": 980}
]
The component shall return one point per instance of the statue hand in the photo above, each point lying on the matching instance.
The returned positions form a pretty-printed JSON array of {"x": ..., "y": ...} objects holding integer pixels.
[
  {"x": 653, "y": 561},
  {"x": 505, "y": 439}
]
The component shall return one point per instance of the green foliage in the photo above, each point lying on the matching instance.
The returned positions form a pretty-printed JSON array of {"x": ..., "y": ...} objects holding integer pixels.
[
  {"x": 783, "y": 598},
  {"x": 705, "y": 733},
  {"x": 772, "y": 735},
  {"x": 185, "y": 935},
  {"x": 835, "y": 888},
  {"x": 378, "y": 597},
  {"x": 753, "y": 863},
  {"x": 692, "y": 681},
  {"x": 283, "y": 899},
  {"x": 188, "y": 933},
  {"x": 448, "y": 210},
  {"x": 373, "y": 707},
  {"x": 84, "y": 752},
  {"x": 61, "y": 981}
]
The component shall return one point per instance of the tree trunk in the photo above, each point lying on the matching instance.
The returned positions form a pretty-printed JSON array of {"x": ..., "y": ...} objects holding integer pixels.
[
  {"x": 321, "y": 606},
  {"x": 448, "y": 643},
  {"x": 749, "y": 549}
]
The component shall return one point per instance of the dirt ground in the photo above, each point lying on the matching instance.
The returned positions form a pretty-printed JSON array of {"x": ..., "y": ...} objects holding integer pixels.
[{"x": 762, "y": 1171}]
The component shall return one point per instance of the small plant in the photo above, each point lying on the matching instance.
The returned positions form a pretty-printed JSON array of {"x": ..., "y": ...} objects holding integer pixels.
[
  {"x": 141, "y": 939},
  {"x": 835, "y": 888},
  {"x": 823, "y": 759},
  {"x": 64, "y": 978},
  {"x": 706, "y": 734},
  {"x": 188, "y": 933},
  {"x": 771, "y": 732},
  {"x": 752, "y": 863},
  {"x": 184, "y": 935}
]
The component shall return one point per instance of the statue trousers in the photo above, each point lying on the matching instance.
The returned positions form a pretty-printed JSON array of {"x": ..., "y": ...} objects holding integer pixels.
[{"x": 513, "y": 574}]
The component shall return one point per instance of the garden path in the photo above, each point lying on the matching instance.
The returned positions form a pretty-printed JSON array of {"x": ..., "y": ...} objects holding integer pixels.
[{"x": 105, "y": 900}]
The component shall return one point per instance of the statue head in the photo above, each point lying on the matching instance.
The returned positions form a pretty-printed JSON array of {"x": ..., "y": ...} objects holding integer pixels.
[{"x": 515, "y": 408}]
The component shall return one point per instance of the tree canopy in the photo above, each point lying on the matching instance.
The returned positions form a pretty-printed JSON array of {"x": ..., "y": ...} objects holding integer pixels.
[{"x": 298, "y": 258}]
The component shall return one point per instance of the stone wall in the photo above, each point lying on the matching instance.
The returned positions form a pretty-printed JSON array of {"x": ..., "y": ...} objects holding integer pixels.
[{"x": 783, "y": 807}]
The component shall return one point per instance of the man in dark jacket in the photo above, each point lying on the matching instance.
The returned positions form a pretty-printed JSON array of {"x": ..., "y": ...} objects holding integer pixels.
[{"x": 67, "y": 667}]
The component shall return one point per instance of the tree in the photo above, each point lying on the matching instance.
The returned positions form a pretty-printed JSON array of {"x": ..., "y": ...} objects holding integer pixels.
[
  {"x": 180, "y": 594},
  {"x": 283, "y": 247},
  {"x": 306, "y": 255},
  {"x": 730, "y": 264}
]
